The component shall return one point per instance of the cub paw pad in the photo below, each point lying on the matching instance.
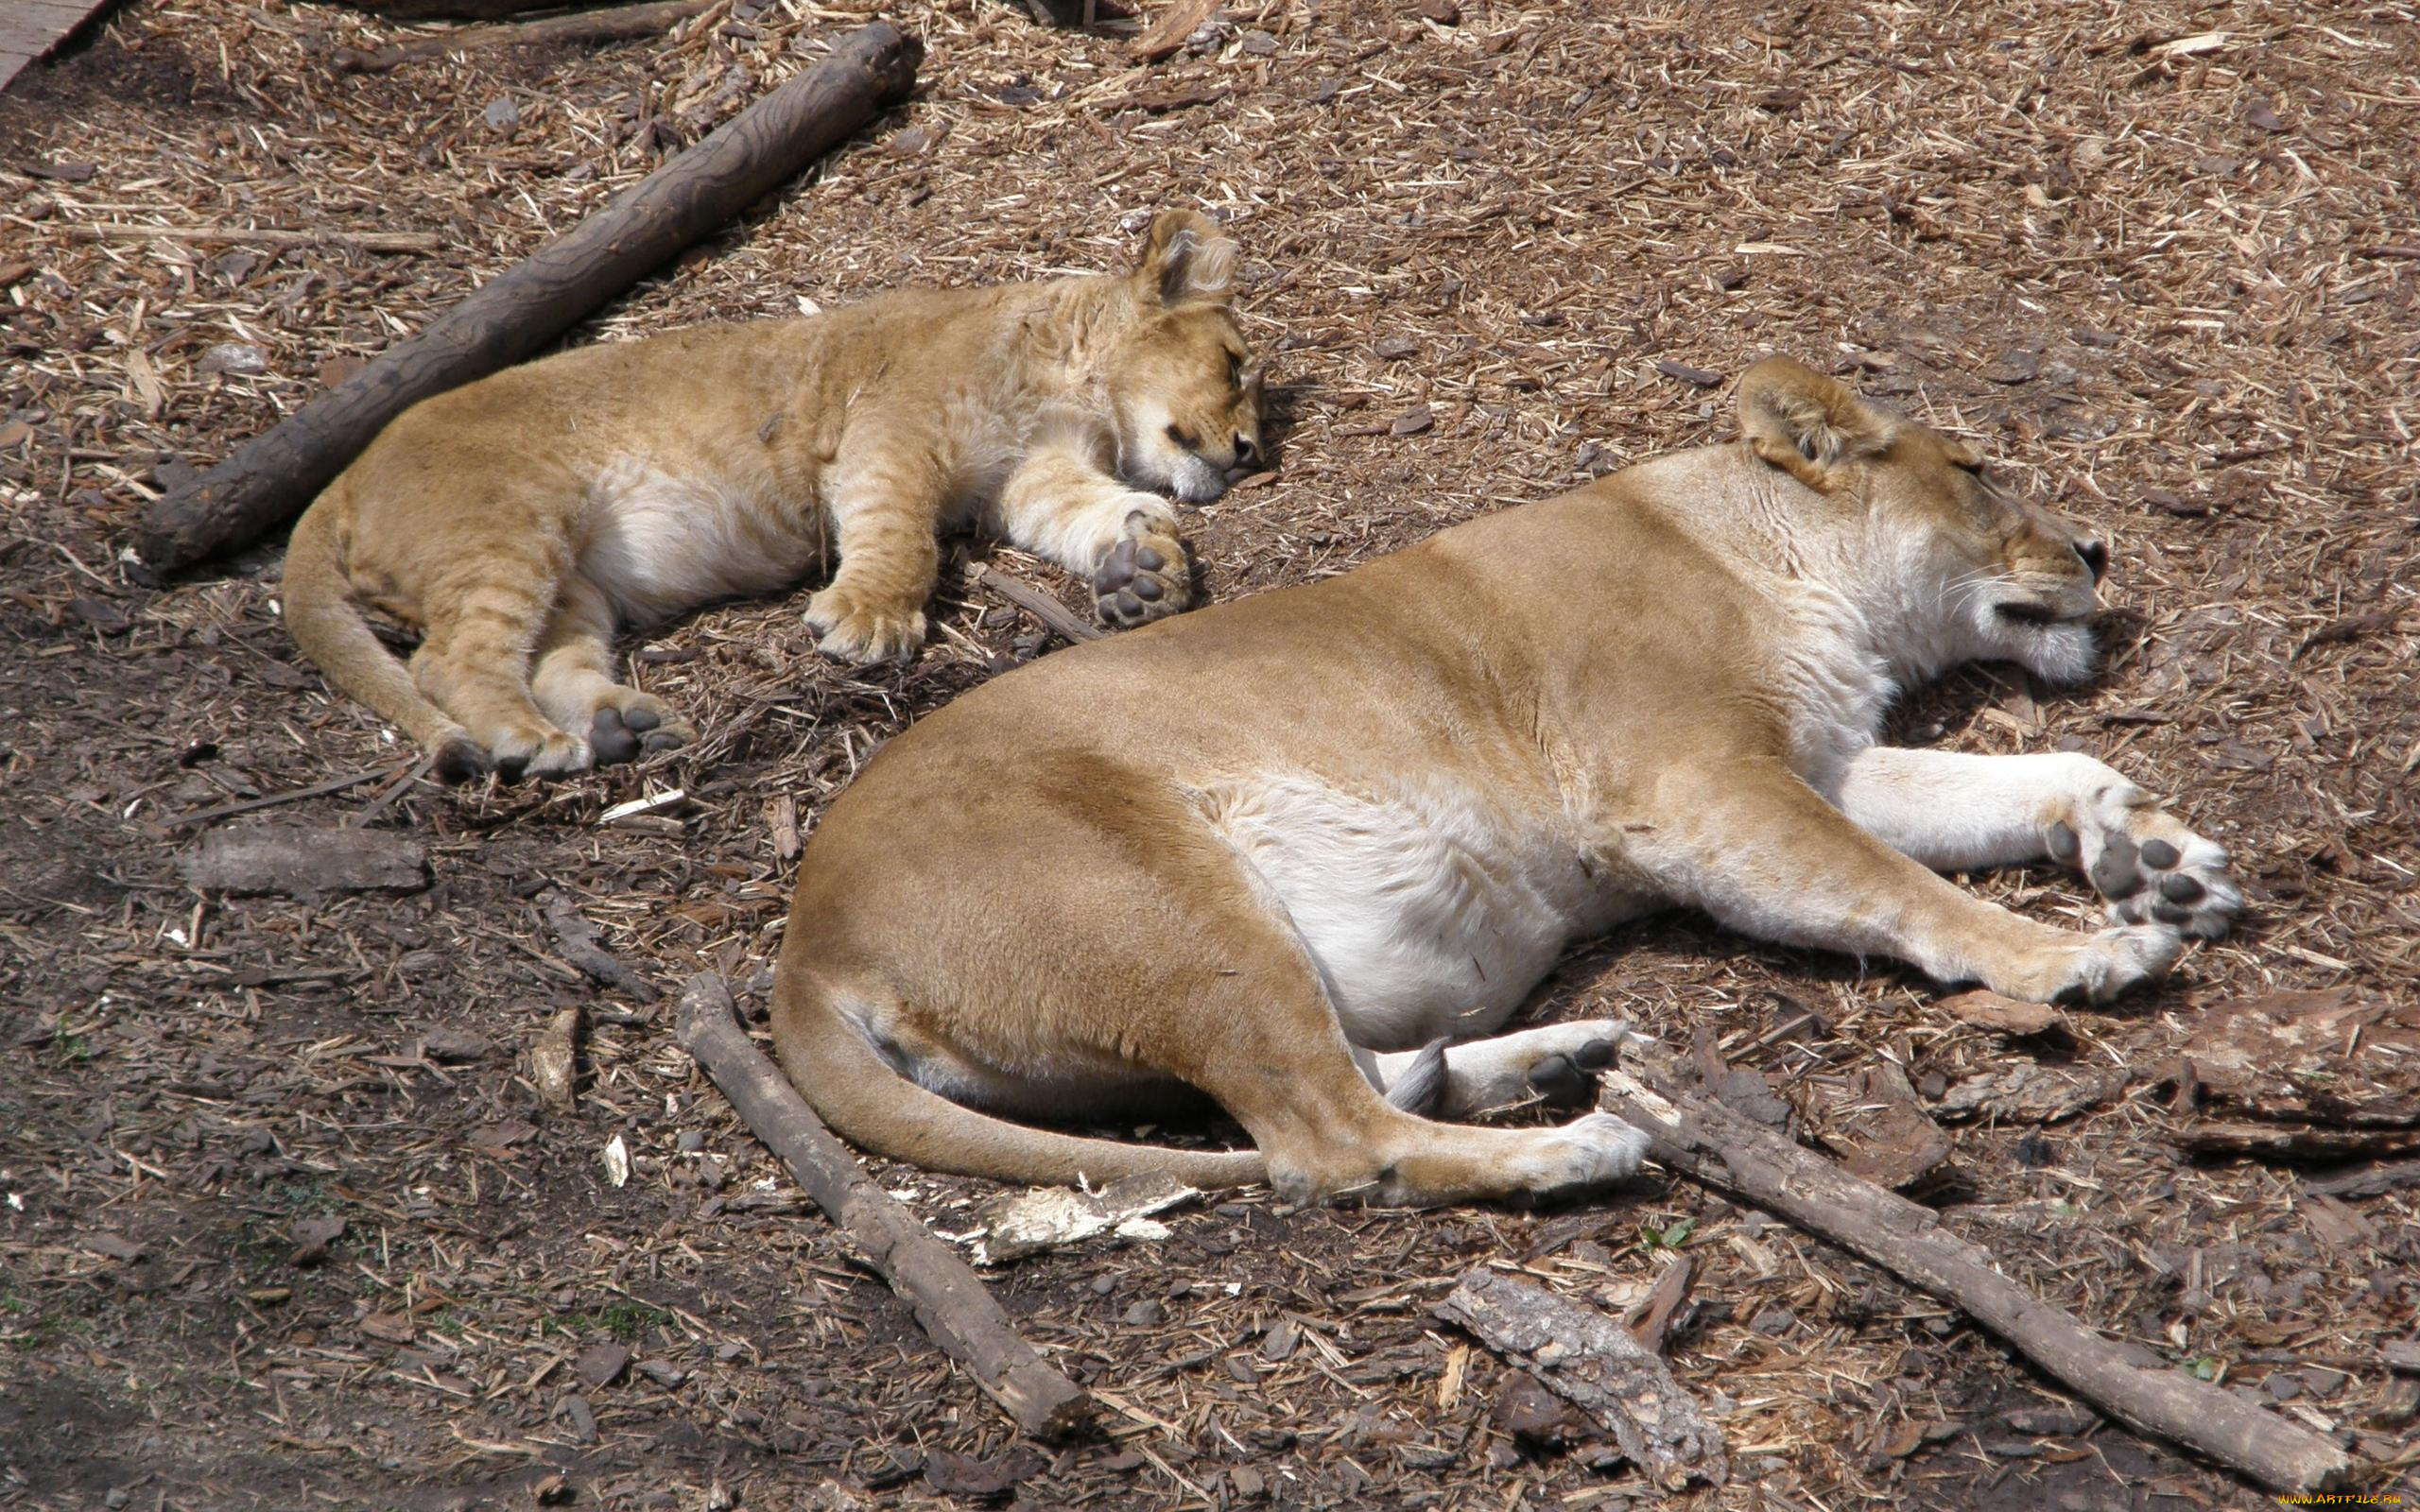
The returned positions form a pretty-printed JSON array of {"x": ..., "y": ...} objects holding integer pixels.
[{"x": 610, "y": 737}]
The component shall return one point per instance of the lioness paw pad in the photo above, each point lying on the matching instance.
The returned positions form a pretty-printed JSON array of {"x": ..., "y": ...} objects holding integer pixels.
[
  {"x": 1145, "y": 577},
  {"x": 2147, "y": 865}
]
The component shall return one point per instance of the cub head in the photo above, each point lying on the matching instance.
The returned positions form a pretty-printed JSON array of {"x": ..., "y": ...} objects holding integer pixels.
[
  {"x": 1977, "y": 571},
  {"x": 1183, "y": 385}
]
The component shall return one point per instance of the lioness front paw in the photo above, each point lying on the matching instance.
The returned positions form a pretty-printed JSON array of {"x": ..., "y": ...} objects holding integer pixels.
[
  {"x": 853, "y": 629},
  {"x": 2097, "y": 968},
  {"x": 1145, "y": 577},
  {"x": 2148, "y": 867}
]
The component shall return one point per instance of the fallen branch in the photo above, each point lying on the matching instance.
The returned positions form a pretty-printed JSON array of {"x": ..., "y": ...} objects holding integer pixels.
[
  {"x": 517, "y": 313},
  {"x": 1053, "y": 614},
  {"x": 619, "y": 24},
  {"x": 1700, "y": 1137},
  {"x": 1589, "y": 1359},
  {"x": 950, "y": 1304},
  {"x": 367, "y": 241}
]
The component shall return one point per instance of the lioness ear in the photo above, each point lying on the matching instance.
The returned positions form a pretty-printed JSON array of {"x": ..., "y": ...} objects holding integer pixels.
[
  {"x": 1188, "y": 257},
  {"x": 1802, "y": 423}
]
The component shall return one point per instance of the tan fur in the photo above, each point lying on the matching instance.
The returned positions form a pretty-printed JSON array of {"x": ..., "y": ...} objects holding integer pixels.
[
  {"x": 1256, "y": 848},
  {"x": 518, "y": 521}
]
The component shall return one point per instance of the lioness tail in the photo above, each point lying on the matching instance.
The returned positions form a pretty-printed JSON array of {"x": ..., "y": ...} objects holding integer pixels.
[{"x": 861, "y": 1096}]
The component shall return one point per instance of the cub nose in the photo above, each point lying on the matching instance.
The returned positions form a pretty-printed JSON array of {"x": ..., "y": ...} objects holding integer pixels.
[
  {"x": 1247, "y": 455},
  {"x": 2095, "y": 558}
]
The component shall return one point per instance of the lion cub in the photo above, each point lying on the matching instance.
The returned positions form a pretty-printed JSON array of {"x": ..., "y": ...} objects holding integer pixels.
[
  {"x": 519, "y": 521},
  {"x": 1285, "y": 849}
]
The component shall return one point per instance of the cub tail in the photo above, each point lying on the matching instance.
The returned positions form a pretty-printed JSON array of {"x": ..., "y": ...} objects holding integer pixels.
[
  {"x": 326, "y": 621},
  {"x": 874, "y": 1108}
]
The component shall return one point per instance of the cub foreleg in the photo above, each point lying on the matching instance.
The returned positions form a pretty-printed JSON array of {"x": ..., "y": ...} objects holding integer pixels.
[
  {"x": 1061, "y": 505},
  {"x": 1756, "y": 847},
  {"x": 887, "y": 494},
  {"x": 1959, "y": 812}
]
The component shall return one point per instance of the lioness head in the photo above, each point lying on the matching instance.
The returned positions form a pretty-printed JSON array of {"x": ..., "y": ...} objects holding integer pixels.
[
  {"x": 1183, "y": 385},
  {"x": 1989, "y": 576}
]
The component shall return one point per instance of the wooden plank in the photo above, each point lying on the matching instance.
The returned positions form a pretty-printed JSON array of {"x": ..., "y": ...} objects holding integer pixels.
[{"x": 30, "y": 29}]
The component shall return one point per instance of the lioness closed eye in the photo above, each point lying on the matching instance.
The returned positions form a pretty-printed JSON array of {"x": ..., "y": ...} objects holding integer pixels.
[
  {"x": 518, "y": 521},
  {"x": 1283, "y": 848}
]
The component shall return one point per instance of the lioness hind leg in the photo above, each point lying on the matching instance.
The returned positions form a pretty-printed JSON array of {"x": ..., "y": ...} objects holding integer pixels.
[
  {"x": 1283, "y": 1071},
  {"x": 1556, "y": 1062},
  {"x": 574, "y": 683}
]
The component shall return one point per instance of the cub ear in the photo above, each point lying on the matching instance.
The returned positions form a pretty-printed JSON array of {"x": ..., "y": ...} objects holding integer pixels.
[
  {"x": 1187, "y": 257},
  {"x": 1802, "y": 423}
]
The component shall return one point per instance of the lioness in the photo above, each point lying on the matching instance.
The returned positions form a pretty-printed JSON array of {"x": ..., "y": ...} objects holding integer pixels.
[
  {"x": 1274, "y": 849},
  {"x": 518, "y": 521}
]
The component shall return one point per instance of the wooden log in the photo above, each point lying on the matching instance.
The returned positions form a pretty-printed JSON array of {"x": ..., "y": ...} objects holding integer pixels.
[
  {"x": 1736, "y": 1154},
  {"x": 1591, "y": 1360},
  {"x": 616, "y": 23},
  {"x": 950, "y": 1304},
  {"x": 516, "y": 315}
]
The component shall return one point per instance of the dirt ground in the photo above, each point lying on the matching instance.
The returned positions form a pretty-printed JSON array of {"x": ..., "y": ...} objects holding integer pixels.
[{"x": 288, "y": 1224}]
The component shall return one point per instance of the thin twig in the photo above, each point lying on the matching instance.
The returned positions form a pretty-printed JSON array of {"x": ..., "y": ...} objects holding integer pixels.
[
  {"x": 1053, "y": 614},
  {"x": 293, "y": 795},
  {"x": 368, "y": 241}
]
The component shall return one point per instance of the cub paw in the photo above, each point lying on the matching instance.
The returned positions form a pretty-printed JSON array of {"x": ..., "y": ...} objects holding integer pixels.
[
  {"x": 2098, "y": 967},
  {"x": 644, "y": 725},
  {"x": 1146, "y": 575},
  {"x": 2147, "y": 865},
  {"x": 554, "y": 753},
  {"x": 851, "y": 629}
]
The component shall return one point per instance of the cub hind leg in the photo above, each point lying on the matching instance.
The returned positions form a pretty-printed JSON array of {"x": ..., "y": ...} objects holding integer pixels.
[
  {"x": 574, "y": 682},
  {"x": 474, "y": 662}
]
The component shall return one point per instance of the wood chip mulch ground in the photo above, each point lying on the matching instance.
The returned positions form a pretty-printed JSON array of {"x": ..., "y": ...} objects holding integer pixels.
[{"x": 288, "y": 1221}]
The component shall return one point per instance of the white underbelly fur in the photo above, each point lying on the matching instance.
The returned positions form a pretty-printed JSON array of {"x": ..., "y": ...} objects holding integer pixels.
[
  {"x": 1430, "y": 910},
  {"x": 657, "y": 542}
]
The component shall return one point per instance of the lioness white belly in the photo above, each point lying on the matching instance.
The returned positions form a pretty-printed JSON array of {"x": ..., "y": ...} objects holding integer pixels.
[
  {"x": 1428, "y": 909},
  {"x": 659, "y": 542}
]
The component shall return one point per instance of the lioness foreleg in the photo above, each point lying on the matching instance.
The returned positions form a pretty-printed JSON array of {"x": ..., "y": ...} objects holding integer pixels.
[
  {"x": 1954, "y": 812},
  {"x": 1061, "y": 505},
  {"x": 1762, "y": 851}
]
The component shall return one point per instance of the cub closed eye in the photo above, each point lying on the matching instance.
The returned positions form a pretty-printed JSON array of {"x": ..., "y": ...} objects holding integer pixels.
[{"x": 1182, "y": 437}]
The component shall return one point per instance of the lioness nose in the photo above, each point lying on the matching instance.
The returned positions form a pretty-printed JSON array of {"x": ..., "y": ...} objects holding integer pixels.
[
  {"x": 1246, "y": 453},
  {"x": 2095, "y": 558}
]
